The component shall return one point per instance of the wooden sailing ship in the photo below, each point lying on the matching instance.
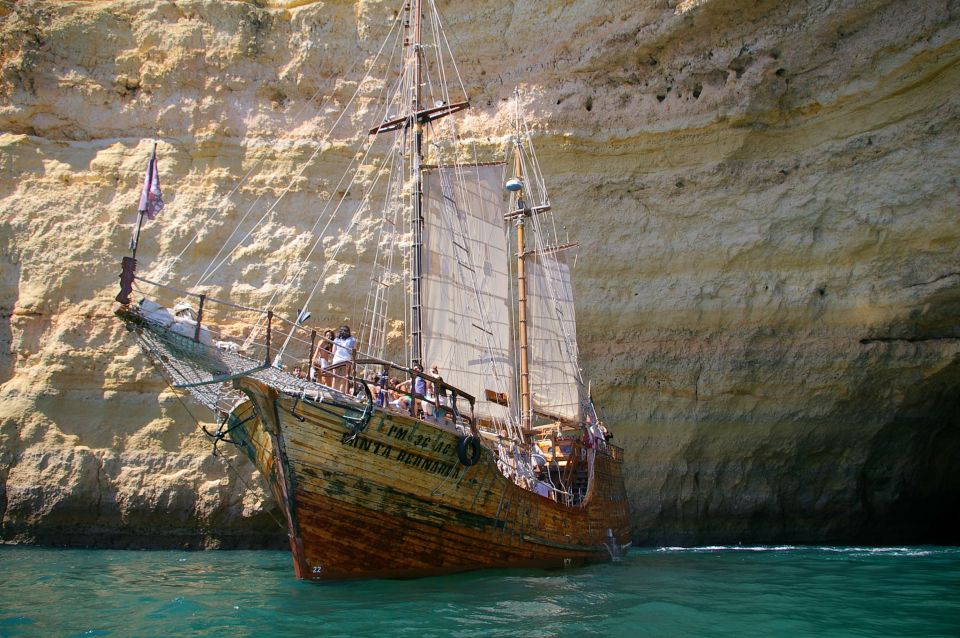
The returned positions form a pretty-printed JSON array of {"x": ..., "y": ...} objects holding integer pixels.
[{"x": 498, "y": 459}]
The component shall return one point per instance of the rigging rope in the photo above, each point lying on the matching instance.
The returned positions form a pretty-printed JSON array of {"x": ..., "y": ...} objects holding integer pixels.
[
  {"x": 292, "y": 276},
  {"x": 285, "y": 284},
  {"x": 226, "y": 198}
]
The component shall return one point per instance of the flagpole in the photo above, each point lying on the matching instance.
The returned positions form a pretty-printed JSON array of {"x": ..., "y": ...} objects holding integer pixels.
[{"x": 136, "y": 238}]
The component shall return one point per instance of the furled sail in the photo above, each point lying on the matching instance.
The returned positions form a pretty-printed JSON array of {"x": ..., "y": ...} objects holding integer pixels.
[
  {"x": 552, "y": 331},
  {"x": 466, "y": 307}
]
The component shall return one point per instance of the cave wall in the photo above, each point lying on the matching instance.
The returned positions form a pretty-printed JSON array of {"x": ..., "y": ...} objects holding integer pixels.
[{"x": 765, "y": 194}]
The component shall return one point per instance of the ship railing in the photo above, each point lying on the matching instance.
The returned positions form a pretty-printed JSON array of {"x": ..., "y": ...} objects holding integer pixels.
[
  {"x": 253, "y": 332},
  {"x": 446, "y": 400},
  {"x": 613, "y": 451}
]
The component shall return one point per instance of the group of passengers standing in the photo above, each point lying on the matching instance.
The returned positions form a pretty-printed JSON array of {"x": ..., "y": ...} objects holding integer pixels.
[
  {"x": 332, "y": 363},
  {"x": 335, "y": 349}
]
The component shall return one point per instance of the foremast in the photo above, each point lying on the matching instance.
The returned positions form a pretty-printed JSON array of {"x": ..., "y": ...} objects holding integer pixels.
[
  {"x": 416, "y": 216},
  {"x": 412, "y": 124}
]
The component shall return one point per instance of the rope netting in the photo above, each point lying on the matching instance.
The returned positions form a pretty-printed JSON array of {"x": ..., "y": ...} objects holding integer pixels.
[{"x": 199, "y": 345}]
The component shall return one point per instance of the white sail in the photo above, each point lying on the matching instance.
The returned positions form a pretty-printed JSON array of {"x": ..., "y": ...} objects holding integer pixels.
[
  {"x": 466, "y": 287},
  {"x": 552, "y": 329}
]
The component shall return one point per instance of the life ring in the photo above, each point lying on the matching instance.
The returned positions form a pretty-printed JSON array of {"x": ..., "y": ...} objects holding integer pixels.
[{"x": 468, "y": 450}]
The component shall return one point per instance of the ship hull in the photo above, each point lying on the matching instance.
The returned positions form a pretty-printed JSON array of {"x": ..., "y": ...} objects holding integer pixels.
[{"x": 392, "y": 498}]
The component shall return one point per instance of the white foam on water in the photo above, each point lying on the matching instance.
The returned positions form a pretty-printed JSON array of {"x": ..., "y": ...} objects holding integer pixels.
[
  {"x": 851, "y": 551},
  {"x": 731, "y": 548},
  {"x": 890, "y": 551}
]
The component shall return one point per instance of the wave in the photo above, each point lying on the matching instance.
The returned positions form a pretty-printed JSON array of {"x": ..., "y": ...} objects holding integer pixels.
[
  {"x": 731, "y": 548},
  {"x": 851, "y": 551}
]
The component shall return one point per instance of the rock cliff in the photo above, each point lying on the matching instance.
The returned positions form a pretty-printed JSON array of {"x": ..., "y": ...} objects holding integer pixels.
[{"x": 765, "y": 192}]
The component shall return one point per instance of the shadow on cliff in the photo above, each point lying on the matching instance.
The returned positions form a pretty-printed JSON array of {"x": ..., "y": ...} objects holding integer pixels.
[
  {"x": 909, "y": 487},
  {"x": 875, "y": 467}
]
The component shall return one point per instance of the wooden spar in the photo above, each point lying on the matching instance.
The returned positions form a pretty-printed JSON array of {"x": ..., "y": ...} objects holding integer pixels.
[
  {"x": 424, "y": 115},
  {"x": 417, "y": 117},
  {"x": 136, "y": 238},
  {"x": 549, "y": 250},
  {"x": 196, "y": 334},
  {"x": 269, "y": 327},
  {"x": 525, "y": 416}
]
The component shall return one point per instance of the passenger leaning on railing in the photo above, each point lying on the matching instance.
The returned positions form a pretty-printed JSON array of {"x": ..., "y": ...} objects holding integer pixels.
[
  {"x": 432, "y": 390},
  {"x": 418, "y": 385},
  {"x": 383, "y": 382}
]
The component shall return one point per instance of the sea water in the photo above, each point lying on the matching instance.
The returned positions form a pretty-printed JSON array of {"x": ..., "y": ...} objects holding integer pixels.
[{"x": 707, "y": 591}]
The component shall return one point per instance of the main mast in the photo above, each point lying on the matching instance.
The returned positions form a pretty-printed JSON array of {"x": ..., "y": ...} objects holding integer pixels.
[
  {"x": 415, "y": 118},
  {"x": 416, "y": 217}
]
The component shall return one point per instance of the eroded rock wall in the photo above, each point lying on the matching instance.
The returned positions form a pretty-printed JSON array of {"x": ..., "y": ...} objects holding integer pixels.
[{"x": 765, "y": 193}]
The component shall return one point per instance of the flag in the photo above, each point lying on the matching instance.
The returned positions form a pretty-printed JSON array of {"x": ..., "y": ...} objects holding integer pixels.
[{"x": 151, "y": 200}]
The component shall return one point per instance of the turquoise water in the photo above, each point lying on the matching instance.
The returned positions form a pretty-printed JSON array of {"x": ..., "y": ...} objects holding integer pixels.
[{"x": 777, "y": 591}]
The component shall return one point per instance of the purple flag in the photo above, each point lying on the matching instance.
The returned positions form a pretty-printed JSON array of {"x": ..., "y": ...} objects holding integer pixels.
[{"x": 151, "y": 200}]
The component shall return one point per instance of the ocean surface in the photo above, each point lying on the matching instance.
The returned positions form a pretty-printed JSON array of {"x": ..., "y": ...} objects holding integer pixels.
[{"x": 707, "y": 591}]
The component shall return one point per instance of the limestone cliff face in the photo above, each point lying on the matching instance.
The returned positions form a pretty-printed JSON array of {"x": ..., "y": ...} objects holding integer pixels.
[{"x": 766, "y": 195}]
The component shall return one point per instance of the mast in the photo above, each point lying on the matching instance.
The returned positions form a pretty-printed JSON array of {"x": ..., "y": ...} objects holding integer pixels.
[
  {"x": 521, "y": 214},
  {"x": 415, "y": 117},
  {"x": 529, "y": 299},
  {"x": 416, "y": 219}
]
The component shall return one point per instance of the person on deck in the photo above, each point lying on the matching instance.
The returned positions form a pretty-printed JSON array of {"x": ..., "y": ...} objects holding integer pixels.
[
  {"x": 397, "y": 397},
  {"x": 344, "y": 347},
  {"x": 383, "y": 381},
  {"x": 434, "y": 390},
  {"x": 324, "y": 357},
  {"x": 419, "y": 385}
]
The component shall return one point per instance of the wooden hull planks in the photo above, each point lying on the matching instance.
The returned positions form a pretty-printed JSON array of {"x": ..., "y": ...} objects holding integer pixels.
[{"x": 395, "y": 501}]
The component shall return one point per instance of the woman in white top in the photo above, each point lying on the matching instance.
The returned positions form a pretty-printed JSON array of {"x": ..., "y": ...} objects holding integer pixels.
[{"x": 343, "y": 348}]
